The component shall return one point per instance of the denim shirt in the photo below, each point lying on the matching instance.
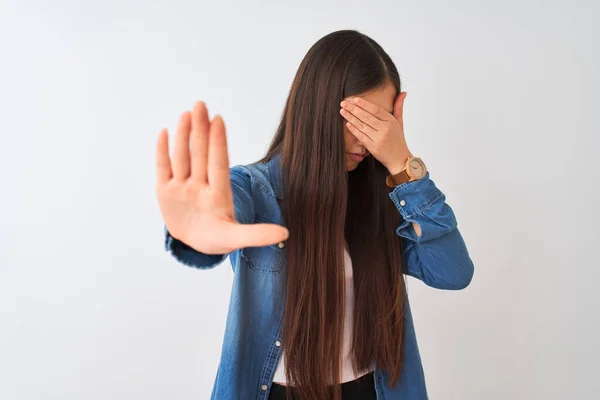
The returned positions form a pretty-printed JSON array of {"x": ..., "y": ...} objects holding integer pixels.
[{"x": 252, "y": 343}]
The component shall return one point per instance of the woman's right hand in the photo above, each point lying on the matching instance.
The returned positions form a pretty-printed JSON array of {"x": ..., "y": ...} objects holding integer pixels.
[{"x": 194, "y": 189}]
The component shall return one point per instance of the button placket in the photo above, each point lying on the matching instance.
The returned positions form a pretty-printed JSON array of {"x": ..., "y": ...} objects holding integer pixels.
[{"x": 277, "y": 343}]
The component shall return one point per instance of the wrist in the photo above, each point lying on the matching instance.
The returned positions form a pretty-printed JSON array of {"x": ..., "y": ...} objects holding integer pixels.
[
  {"x": 398, "y": 167},
  {"x": 395, "y": 170}
]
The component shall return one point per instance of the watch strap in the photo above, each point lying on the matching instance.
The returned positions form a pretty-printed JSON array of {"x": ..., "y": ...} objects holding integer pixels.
[{"x": 397, "y": 179}]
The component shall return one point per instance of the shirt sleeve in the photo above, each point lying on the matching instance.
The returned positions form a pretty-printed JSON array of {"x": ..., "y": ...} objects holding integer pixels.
[
  {"x": 244, "y": 213},
  {"x": 439, "y": 257}
]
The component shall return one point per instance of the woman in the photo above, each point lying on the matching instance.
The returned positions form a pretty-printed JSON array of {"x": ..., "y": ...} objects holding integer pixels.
[{"x": 319, "y": 233}]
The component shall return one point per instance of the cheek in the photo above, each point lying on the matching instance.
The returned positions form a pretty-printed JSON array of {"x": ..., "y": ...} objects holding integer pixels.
[{"x": 348, "y": 137}]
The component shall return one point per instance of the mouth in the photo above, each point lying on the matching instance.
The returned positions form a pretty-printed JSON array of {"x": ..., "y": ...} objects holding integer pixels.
[{"x": 357, "y": 156}]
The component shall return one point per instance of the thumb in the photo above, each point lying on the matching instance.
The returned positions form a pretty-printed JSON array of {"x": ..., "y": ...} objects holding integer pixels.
[
  {"x": 257, "y": 234},
  {"x": 399, "y": 105}
]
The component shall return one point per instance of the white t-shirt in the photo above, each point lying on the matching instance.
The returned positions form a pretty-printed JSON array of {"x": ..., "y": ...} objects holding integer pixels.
[{"x": 347, "y": 372}]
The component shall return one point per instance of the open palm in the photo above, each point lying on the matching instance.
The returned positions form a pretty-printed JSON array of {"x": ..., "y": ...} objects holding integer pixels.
[{"x": 194, "y": 189}]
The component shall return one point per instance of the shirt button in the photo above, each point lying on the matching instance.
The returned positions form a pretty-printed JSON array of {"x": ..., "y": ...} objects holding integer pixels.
[
  {"x": 402, "y": 203},
  {"x": 264, "y": 387},
  {"x": 278, "y": 343},
  {"x": 280, "y": 245},
  {"x": 378, "y": 379}
]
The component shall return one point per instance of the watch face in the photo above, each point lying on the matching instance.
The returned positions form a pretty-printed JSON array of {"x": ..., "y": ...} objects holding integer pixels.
[{"x": 416, "y": 168}]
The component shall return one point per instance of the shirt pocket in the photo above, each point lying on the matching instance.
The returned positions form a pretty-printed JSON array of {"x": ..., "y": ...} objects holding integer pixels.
[{"x": 265, "y": 259}]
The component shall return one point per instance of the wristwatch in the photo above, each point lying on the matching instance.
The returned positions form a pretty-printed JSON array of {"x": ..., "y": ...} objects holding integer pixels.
[{"x": 414, "y": 169}]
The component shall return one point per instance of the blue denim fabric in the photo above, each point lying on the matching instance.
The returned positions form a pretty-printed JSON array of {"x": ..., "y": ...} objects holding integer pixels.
[{"x": 250, "y": 355}]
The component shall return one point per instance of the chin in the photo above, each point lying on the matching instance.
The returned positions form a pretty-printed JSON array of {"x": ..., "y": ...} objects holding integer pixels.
[{"x": 351, "y": 166}]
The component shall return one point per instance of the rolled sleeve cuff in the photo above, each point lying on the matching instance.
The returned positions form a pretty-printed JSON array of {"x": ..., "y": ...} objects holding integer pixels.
[
  {"x": 415, "y": 197},
  {"x": 189, "y": 256}
]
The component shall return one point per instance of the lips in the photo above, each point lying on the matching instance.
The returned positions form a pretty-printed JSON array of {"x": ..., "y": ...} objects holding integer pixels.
[{"x": 357, "y": 156}]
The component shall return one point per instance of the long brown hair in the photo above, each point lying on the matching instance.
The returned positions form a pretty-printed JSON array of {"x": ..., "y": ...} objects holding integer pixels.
[{"x": 324, "y": 205}]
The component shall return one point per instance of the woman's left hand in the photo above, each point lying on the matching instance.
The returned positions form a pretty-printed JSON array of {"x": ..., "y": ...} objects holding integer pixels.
[{"x": 379, "y": 131}]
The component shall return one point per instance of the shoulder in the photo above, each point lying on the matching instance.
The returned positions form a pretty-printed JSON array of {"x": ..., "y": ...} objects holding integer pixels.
[{"x": 254, "y": 177}]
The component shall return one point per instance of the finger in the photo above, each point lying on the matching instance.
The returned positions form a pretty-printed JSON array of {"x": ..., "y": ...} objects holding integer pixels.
[
  {"x": 163, "y": 161},
  {"x": 181, "y": 154},
  {"x": 374, "y": 109},
  {"x": 360, "y": 125},
  {"x": 199, "y": 142},
  {"x": 255, "y": 235},
  {"x": 399, "y": 106},
  {"x": 218, "y": 158},
  {"x": 363, "y": 138},
  {"x": 365, "y": 116}
]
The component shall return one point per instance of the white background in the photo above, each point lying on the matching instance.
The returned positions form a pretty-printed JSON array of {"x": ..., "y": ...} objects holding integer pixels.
[{"x": 502, "y": 104}]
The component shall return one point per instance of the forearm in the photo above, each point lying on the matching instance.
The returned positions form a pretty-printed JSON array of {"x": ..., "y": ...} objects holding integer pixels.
[
  {"x": 417, "y": 228},
  {"x": 434, "y": 250}
]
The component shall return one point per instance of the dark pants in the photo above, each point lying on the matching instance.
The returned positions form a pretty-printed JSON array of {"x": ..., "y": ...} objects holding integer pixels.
[{"x": 362, "y": 388}]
